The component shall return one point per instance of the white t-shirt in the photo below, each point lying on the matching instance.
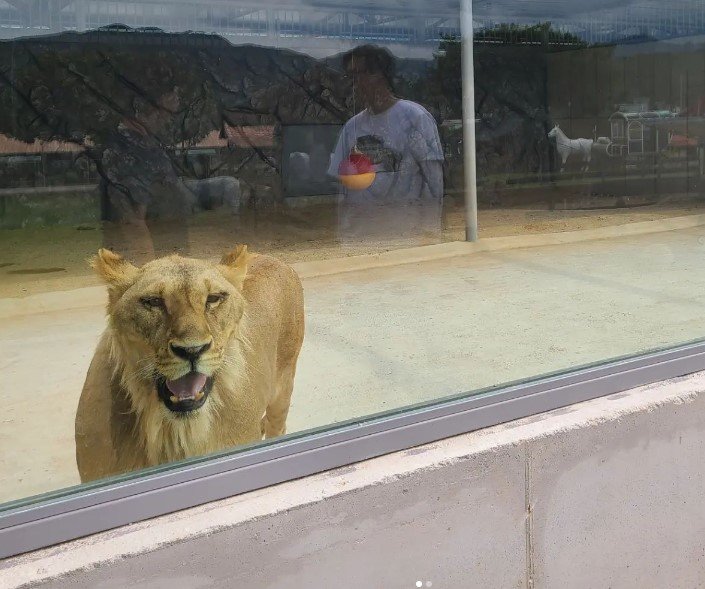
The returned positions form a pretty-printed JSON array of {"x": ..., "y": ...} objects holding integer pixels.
[{"x": 399, "y": 203}]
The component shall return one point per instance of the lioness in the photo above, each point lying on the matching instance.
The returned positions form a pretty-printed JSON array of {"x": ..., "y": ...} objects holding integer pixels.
[{"x": 197, "y": 357}]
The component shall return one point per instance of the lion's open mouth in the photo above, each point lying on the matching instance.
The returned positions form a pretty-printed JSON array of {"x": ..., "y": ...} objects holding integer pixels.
[{"x": 184, "y": 394}]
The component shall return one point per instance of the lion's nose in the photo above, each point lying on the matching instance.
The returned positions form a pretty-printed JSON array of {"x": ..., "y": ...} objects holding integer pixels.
[{"x": 190, "y": 353}]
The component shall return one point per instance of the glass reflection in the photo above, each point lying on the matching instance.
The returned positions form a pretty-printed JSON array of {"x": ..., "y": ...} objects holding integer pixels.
[{"x": 314, "y": 133}]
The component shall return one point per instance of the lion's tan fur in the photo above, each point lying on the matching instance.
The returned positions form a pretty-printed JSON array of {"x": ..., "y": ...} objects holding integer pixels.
[{"x": 122, "y": 425}]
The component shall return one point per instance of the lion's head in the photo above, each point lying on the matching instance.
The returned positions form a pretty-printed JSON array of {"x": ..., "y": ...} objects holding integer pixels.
[{"x": 173, "y": 321}]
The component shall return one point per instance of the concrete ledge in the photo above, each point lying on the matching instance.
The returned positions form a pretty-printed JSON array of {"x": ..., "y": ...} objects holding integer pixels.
[
  {"x": 606, "y": 493},
  {"x": 95, "y": 295}
]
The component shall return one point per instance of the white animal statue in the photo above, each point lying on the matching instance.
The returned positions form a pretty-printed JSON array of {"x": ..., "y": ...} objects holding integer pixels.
[
  {"x": 300, "y": 164},
  {"x": 567, "y": 147}
]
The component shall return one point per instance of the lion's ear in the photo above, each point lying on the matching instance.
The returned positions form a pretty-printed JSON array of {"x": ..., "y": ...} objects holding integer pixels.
[
  {"x": 115, "y": 271},
  {"x": 234, "y": 264}
]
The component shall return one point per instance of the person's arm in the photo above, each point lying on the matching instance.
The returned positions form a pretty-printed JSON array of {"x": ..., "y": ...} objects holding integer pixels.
[
  {"x": 338, "y": 153},
  {"x": 432, "y": 172},
  {"x": 426, "y": 148}
]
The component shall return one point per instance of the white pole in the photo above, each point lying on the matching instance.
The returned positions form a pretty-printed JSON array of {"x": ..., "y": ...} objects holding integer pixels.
[{"x": 468, "y": 73}]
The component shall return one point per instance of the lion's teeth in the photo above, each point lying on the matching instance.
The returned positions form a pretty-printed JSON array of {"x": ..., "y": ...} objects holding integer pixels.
[{"x": 198, "y": 397}]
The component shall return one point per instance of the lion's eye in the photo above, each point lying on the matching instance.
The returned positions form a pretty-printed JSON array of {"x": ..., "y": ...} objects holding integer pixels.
[
  {"x": 153, "y": 302},
  {"x": 214, "y": 299}
]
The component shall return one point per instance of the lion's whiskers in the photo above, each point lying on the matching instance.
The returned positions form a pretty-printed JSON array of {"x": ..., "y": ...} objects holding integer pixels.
[{"x": 145, "y": 372}]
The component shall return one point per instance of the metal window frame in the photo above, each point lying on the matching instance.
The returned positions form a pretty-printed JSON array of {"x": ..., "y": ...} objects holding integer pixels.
[{"x": 94, "y": 510}]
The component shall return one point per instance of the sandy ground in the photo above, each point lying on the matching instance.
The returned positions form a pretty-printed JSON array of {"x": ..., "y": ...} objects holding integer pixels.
[
  {"x": 383, "y": 338},
  {"x": 49, "y": 259}
]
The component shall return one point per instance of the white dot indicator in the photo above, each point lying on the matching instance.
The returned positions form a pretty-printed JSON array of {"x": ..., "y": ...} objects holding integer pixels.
[{"x": 419, "y": 583}]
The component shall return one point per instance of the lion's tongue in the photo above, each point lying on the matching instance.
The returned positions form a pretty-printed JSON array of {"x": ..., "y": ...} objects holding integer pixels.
[{"x": 187, "y": 386}]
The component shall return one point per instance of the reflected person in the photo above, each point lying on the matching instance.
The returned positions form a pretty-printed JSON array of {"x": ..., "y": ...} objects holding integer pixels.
[
  {"x": 140, "y": 185},
  {"x": 399, "y": 138}
]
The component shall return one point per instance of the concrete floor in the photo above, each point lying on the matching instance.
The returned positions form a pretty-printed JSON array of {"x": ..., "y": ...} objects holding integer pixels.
[{"x": 382, "y": 338}]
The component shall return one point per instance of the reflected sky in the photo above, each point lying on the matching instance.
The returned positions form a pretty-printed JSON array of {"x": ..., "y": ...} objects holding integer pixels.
[
  {"x": 600, "y": 20},
  {"x": 566, "y": 9},
  {"x": 395, "y": 21}
]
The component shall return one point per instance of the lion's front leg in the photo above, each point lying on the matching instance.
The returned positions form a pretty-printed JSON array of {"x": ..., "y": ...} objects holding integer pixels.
[{"x": 274, "y": 419}]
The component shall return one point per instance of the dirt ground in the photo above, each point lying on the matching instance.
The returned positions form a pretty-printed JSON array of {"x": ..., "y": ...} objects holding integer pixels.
[
  {"x": 384, "y": 338},
  {"x": 36, "y": 260}
]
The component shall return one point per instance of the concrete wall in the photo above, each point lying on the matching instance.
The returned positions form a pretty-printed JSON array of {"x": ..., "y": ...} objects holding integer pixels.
[{"x": 608, "y": 493}]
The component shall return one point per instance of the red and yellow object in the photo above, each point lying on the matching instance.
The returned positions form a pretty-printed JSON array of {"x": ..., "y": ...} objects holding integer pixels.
[{"x": 356, "y": 172}]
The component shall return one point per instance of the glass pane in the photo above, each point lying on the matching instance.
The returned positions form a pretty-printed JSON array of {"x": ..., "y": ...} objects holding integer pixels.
[{"x": 329, "y": 140}]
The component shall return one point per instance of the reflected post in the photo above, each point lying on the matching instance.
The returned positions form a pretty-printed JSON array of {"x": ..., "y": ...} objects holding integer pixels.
[{"x": 468, "y": 76}]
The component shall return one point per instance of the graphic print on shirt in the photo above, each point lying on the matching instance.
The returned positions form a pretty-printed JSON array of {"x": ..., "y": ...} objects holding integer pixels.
[{"x": 385, "y": 159}]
